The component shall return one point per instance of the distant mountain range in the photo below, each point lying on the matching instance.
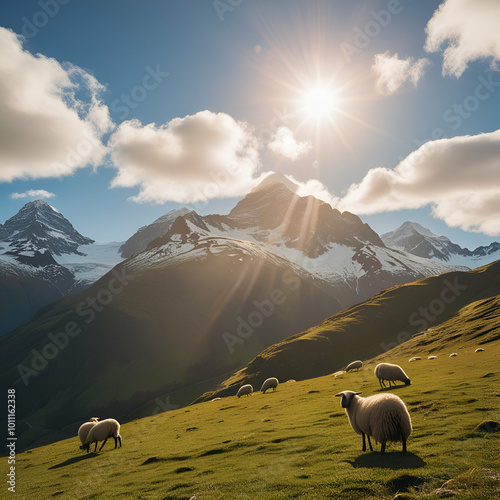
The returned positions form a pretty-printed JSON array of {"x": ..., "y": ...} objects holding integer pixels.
[{"x": 411, "y": 237}]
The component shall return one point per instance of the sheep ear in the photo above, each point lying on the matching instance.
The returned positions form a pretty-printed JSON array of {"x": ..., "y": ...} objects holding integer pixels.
[
  {"x": 357, "y": 393},
  {"x": 339, "y": 394}
]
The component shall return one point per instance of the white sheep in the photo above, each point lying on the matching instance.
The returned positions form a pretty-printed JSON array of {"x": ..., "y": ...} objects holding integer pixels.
[
  {"x": 479, "y": 349},
  {"x": 415, "y": 358},
  {"x": 432, "y": 357},
  {"x": 291, "y": 380},
  {"x": 269, "y": 383},
  {"x": 383, "y": 416},
  {"x": 245, "y": 389},
  {"x": 84, "y": 430},
  {"x": 452, "y": 354},
  {"x": 355, "y": 365},
  {"x": 101, "y": 431},
  {"x": 391, "y": 373}
]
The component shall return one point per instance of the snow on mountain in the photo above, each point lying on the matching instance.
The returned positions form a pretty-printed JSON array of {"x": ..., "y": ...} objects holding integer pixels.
[
  {"x": 337, "y": 249},
  {"x": 415, "y": 239},
  {"x": 144, "y": 235}
]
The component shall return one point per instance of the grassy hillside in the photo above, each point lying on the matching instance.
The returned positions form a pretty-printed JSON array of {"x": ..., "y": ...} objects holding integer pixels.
[
  {"x": 450, "y": 305},
  {"x": 295, "y": 443}
]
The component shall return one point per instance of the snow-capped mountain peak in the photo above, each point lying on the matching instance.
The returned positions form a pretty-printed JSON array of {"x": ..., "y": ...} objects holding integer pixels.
[{"x": 39, "y": 226}]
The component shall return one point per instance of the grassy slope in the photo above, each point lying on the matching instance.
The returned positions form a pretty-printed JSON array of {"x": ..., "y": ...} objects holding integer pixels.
[
  {"x": 297, "y": 442},
  {"x": 372, "y": 328}
]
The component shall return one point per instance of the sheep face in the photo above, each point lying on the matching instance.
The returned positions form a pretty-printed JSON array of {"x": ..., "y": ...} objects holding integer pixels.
[{"x": 346, "y": 398}]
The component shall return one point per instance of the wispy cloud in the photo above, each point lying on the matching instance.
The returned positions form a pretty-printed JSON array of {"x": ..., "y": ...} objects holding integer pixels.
[
  {"x": 458, "y": 177},
  {"x": 393, "y": 73},
  {"x": 195, "y": 158},
  {"x": 469, "y": 29},
  {"x": 285, "y": 144},
  {"x": 32, "y": 193},
  {"x": 51, "y": 115}
]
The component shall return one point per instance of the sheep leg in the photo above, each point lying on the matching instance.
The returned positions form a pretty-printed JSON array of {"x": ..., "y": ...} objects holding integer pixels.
[
  {"x": 96, "y": 443},
  {"x": 404, "y": 445},
  {"x": 382, "y": 450},
  {"x": 120, "y": 439},
  {"x": 116, "y": 442},
  {"x": 369, "y": 442},
  {"x": 102, "y": 444}
]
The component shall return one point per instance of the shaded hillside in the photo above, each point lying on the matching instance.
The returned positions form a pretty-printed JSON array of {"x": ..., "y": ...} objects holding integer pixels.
[
  {"x": 152, "y": 326},
  {"x": 452, "y": 301}
]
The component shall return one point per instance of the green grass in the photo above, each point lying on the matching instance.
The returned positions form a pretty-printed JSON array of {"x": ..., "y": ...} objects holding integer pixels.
[{"x": 294, "y": 443}]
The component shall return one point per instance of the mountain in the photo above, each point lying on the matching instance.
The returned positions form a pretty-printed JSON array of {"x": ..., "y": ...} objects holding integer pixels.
[
  {"x": 43, "y": 258},
  {"x": 144, "y": 235},
  {"x": 41, "y": 227},
  {"x": 433, "y": 313},
  {"x": 415, "y": 239}
]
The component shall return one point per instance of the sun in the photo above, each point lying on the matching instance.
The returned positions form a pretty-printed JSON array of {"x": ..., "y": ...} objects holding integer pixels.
[{"x": 319, "y": 102}]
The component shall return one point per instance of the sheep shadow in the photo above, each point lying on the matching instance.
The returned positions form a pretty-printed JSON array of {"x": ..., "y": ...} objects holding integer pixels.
[
  {"x": 73, "y": 460},
  {"x": 390, "y": 460}
]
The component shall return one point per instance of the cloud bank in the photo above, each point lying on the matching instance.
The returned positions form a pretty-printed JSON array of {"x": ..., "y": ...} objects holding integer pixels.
[
  {"x": 393, "y": 73},
  {"x": 469, "y": 29},
  {"x": 458, "y": 177},
  {"x": 285, "y": 144},
  {"x": 191, "y": 159},
  {"x": 51, "y": 116},
  {"x": 32, "y": 193}
]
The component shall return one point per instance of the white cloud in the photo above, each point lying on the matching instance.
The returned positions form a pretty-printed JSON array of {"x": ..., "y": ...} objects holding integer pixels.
[
  {"x": 459, "y": 177},
  {"x": 195, "y": 158},
  {"x": 32, "y": 193},
  {"x": 470, "y": 30},
  {"x": 51, "y": 116},
  {"x": 394, "y": 73},
  {"x": 285, "y": 144}
]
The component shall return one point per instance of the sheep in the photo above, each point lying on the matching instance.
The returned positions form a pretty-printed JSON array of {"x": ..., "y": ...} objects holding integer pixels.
[
  {"x": 452, "y": 354},
  {"x": 479, "y": 349},
  {"x": 84, "y": 430},
  {"x": 291, "y": 380},
  {"x": 269, "y": 383},
  {"x": 415, "y": 358},
  {"x": 391, "y": 373},
  {"x": 94, "y": 419},
  {"x": 383, "y": 416},
  {"x": 432, "y": 357},
  {"x": 102, "y": 431},
  {"x": 355, "y": 365},
  {"x": 244, "y": 389},
  {"x": 216, "y": 399}
]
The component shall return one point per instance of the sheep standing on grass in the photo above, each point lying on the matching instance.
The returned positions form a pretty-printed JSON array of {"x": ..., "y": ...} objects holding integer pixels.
[
  {"x": 269, "y": 383},
  {"x": 84, "y": 430},
  {"x": 383, "y": 416},
  {"x": 245, "y": 389},
  {"x": 415, "y": 358},
  {"x": 391, "y": 373},
  {"x": 479, "y": 349},
  {"x": 101, "y": 431},
  {"x": 355, "y": 365}
]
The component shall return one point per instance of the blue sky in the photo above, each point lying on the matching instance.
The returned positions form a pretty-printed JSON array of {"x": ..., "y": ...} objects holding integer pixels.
[{"x": 250, "y": 65}]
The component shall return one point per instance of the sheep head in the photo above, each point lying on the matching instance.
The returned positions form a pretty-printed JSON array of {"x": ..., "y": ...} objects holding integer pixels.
[{"x": 346, "y": 398}]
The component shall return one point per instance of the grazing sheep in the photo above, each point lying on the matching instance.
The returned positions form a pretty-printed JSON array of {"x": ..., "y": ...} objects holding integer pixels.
[
  {"x": 355, "y": 365},
  {"x": 84, "y": 430},
  {"x": 94, "y": 419},
  {"x": 452, "y": 354},
  {"x": 391, "y": 373},
  {"x": 432, "y": 357},
  {"x": 101, "y": 431},
  {"x": 245, "y": 389},
  {"x": 383, "y": 416},
  {"x": 415, "y": 358},
  {"x": 216, "y": 399},
  {"x": 291, "y": 380},
  {"x": 268, "y": 383},
  {"x": 479, "y": 349}
]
